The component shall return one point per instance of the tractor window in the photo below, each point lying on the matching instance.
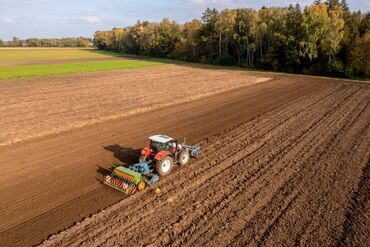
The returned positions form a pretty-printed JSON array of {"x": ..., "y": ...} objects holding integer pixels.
[
  {"x": 169, "y": 146},
  {"x": 157, "y": 147}
]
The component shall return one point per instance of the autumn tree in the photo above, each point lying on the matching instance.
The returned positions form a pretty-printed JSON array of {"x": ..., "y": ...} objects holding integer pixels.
[
  {"x": 334, "y": 32},
  {"x": 116, "y": 39},
  {"x": 365, "y": 24},
  {"x": 167, "y": 35},
  {"x": 345, "y": 6},
  {"x": 101, "y": 39},
  {"x": 208, "y": 36},
  {"x": 81, "y": 42},
  {"x": 245, "y": 32},
  {"x": 224, "y": 27},
  {"x": 293, "y": 37},
  {"x": 315, "y": 21},
  {"x": 273, "y": 28},
  {"x": 332, "y": 3},
  {"x": 188, "y": 46},
  {"x": 359, "y": 58},
  {"x": 16, "y": 42}
]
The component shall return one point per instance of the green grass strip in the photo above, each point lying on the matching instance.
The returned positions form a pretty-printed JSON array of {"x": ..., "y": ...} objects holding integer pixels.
[{"x": 8, "y": 72}]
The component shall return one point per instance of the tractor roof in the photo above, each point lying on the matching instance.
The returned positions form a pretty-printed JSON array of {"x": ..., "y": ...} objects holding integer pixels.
[{"x": 160, "y": 138}]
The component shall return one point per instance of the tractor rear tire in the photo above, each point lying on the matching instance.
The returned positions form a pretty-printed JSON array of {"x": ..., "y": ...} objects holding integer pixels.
[
  {"x": 184, "y": 157},
  {"x": 164, "y": 166}
]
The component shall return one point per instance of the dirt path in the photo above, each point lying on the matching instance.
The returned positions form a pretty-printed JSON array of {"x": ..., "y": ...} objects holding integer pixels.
[{"x": 297, "y": 174}]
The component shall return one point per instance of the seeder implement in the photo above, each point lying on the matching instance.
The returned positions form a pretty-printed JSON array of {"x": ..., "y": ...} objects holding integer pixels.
[
  {"x": 129, "y": 180},
  {"x": 125, "y": 180}
]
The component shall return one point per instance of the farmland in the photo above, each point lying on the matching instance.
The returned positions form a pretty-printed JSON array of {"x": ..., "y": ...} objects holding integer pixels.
[
  {"x": 18, "y": 63},
  {"x": 55, "y": 104},
  {"x": 286, "y": 158},
  {"x": 37, "y": 54}
]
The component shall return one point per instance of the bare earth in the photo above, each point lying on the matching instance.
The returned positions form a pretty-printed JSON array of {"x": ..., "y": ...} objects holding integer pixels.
[
  {"x": 53, "y": 104},
  {"x": 57, "y": 61},
  {"x": 286, "y": 162}
]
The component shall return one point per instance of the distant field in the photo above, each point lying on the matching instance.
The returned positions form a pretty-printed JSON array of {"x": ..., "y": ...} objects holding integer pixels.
[
  {"x": 29, "y": 54},
  {"x": 32, "y": 62},
  {"x": 67, "y": 68},
  {"x": 48, "y": 105}
]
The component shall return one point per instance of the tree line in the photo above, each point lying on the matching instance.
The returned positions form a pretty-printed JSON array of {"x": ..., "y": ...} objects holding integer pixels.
[
  {"x": 52, "y": 42},
  {"x": 325, "y": 38}
]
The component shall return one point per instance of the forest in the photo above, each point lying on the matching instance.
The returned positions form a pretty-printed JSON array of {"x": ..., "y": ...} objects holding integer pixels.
[
  {"x": 51, "y": 42},
  {"x": 325, "y": 38}
]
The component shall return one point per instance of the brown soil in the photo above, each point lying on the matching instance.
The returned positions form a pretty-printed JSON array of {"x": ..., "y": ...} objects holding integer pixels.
[
  {"x": 53, "y": 104},
  {"x": 57, "y": 61},
  {"x": 285, "y": 162}
]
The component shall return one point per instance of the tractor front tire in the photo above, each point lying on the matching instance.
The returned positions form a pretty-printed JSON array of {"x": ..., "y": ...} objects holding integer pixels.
[
  {"x": 184, "y": 157},
  {"x": 164, "y": 166}
]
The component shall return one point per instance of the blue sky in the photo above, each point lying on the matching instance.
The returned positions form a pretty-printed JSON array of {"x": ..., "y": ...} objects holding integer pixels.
[{"x": 68, "y": 18}]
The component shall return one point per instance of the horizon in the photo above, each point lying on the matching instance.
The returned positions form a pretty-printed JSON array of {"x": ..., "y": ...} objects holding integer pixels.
[{"x": 55, "y": 19}]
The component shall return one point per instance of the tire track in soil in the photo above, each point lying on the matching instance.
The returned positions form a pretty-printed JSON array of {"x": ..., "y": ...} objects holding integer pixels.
[
  {"x": 337, "y": 177},
  {"x": 311, "y": 184},
  {"x": 354, "y": 217}
]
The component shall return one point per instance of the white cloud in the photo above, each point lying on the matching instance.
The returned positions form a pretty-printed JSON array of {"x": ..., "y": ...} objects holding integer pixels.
[
  {"x": 7, "y": 20},
  {"x": 90, "y": 19}
]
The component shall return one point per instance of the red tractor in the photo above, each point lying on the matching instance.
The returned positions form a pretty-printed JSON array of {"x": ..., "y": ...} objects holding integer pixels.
[{"x": 164, "y": 152}]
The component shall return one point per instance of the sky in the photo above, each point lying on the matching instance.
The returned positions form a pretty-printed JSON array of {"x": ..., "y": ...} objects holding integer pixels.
[{"x": 74, "y": 18}]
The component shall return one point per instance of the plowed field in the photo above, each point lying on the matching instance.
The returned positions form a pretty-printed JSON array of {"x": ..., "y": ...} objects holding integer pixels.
[
  {"x": 54, "y": 104},
  {"x": 286, "y": 162},
  {"x": 296, "y": 175}
]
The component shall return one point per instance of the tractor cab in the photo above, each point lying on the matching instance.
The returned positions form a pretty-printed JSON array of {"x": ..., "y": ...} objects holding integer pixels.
[{"x": 160, "y": 143}]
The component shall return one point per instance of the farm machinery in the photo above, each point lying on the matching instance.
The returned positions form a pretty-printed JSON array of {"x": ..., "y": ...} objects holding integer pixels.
[{"x": 156, "y": 160}]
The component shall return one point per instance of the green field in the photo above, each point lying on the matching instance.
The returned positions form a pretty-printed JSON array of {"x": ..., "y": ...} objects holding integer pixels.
[
  {"x": 67, "y": 68},
  {"x": 41, "y": 54},
  {"x": 36, "y": 54}
]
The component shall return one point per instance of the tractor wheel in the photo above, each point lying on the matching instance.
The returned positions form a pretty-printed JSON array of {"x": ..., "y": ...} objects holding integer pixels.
[
  {"x": 184, "y": 157},
  {"x": 141, "y": 185},
  {"x": 164, "y": 166}
]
